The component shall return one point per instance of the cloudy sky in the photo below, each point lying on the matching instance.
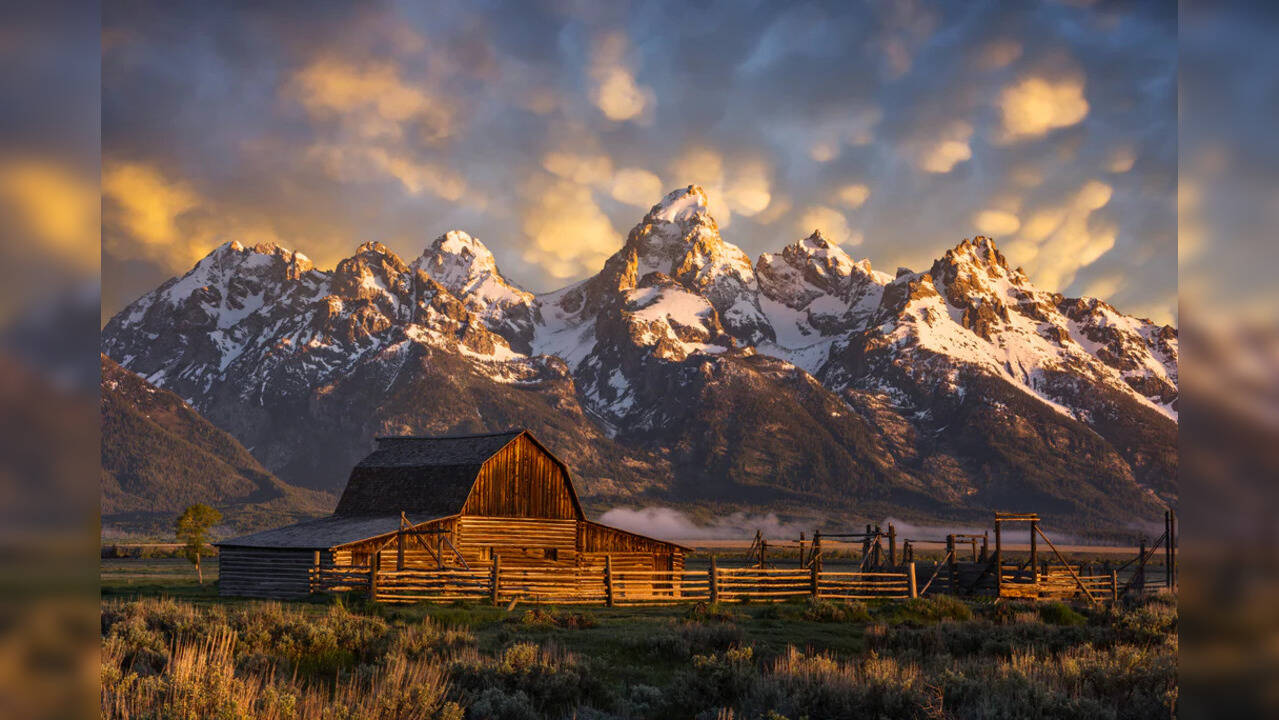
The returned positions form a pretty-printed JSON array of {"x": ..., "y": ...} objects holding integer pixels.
[{"x": 548, "y": 129}]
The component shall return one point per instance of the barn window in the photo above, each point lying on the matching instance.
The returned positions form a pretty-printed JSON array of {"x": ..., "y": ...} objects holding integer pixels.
[
  {"x": 486, "y": 553},
  {"x": 551, "y": 553}
]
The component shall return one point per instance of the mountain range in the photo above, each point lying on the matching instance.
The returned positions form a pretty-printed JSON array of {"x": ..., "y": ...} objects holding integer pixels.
[{"x": 683, "y": 374}]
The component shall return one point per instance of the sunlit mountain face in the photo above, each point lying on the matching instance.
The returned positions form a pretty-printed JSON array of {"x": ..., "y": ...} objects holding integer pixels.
[
  {"x": 684, "y": 373},
  {"x": 546, "y": 130}
]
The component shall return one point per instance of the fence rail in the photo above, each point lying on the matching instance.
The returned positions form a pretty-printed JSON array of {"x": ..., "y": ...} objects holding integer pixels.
[{"x": 608, "y": 586}]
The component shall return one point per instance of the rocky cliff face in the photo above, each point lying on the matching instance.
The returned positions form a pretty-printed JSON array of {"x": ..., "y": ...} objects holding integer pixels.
[{"x": 684, "y": 373}]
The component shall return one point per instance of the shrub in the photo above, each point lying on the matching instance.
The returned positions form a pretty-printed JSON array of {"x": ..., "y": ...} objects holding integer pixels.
[
  {"x": 711, "y": 611},
  {"x": 827, "y": 611},
  {"x": 1059, "y": 613}
]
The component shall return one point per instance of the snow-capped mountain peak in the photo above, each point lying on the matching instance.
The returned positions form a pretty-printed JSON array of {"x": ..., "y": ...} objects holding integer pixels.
[{"x": 680, "y": 206}]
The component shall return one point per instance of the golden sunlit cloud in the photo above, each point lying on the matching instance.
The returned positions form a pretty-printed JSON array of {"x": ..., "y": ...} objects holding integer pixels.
[
  {"x": 1104, "y": 287},
  {"x": 616, "y": 92},
  {"x": 823, "y": 151},
  {"x": 149, "y": 204},
  {"x": 999, "y": 54},
  {"x": 372, "y": 99},
  {"x": 580, "y": 168},
  {"x": 1055, "y": 243},
  {"x": 996, "y": 222},
  {"x": 949, "y": 150},
  {"x": 705, "y": 167},
  {"x": 749, "y": 192},
  {"x": 831, "y": 222},
  {"x": 854, "y": 195},
  {"x": 569, "y": 236},
  {"x": 776, "y": 209},
  {"x": 1121, "y": 160},
  {"x": 166, "y": 220},
  {"x": 360, "y": 163},
  {"x": 638, "y": 187},
  {"x": 1034, "y": 105},
  {"x": 55, "y": 208}
]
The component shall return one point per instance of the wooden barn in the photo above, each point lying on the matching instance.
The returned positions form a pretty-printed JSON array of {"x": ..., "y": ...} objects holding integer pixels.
[{"x": 453, "y": 502}]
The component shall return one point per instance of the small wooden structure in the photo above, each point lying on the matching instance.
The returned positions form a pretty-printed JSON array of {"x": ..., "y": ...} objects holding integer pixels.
[{"x": 460, "y": 503}]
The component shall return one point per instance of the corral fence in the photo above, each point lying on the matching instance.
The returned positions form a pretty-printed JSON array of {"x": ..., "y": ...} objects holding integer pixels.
[{"x": 591, "y": 586}]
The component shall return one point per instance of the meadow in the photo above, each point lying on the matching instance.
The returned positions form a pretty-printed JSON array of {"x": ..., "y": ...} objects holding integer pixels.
[{"x": 173, "y": 649}]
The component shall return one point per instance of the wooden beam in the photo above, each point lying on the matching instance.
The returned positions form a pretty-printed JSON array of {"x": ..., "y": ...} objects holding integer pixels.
[
  {"x": 1034, "y": 550},
  {"x": 892, "y": 545},
  {"x": 1069, "y": 569},
  {"x": 714, "y": 580},
  {"x": 910, "y": 573},
  {"x": 999, "y": 561}
]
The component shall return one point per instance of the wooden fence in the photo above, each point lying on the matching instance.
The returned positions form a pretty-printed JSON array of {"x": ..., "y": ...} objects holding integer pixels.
[{"x": 606, "y": 586}]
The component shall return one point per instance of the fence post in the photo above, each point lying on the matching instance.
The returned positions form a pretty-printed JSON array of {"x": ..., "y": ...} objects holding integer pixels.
[
  {"x": 999, "y": 562},
  {"x": 1140, "y": 580},
  {"x": 608, "y": 579},
  {"x": 892, "y": 545},
  {"x": 814, "y": 572},
  {"x": 914, "y": 587},
  {"x": 1034, "y": 551},
  {"x": 497, "y": 577},
  {"x": 714, "y": 578},
  {"x": 315, "y": 572},
  {"x": 953, "y": 579},
  {"x": 375, "y": 564},
  {"x": 1114, "y": 586}
]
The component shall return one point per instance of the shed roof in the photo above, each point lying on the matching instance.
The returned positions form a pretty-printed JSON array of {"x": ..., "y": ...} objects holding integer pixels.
[{"x": 320, "y": 533}]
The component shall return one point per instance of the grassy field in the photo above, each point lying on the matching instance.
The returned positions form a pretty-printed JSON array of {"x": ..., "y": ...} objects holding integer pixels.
[{"x": 173, "y": 649}]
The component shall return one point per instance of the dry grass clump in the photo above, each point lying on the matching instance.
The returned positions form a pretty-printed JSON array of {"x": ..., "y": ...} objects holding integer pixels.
[{"x": 199, "y": 680}]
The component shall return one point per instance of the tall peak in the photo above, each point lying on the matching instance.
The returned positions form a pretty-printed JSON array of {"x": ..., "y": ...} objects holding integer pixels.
[
  {"x": 680, "y": 205},
  {"x": 457, "y": 259}
]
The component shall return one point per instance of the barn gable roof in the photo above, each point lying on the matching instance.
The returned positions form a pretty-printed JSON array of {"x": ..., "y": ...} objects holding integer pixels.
[{"x": 426, "y": 476}]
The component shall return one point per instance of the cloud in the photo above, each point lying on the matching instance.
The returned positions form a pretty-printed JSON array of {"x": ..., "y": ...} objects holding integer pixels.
[
  {"x": 363, "y": 163},
  {"x": 638, "y": 187},
  {"x": 149, "y": 205},
  {"x": 996, "y": 222},
  {"x": 616, "y": 93},
  {"x": 673, "y": 524},
  {"x": 854, "y": 196},
  {"x": 581, "y": 168},
  {"x": 776, "y": 209},
  {"x": 1121, "y": 160},
  {"x": 749, "y": 191},
  {"x": 704, "y": 166},
  {"x": 149, "y": 215},
  {"x": 1034, "y": 105},
  {"x": 568, "y": 235},
  {"x": 372, "y": 100},
  {"x": 823, "y": 151},
  {"x": 950, "y": 149},
  {"x": 1104, "y": 287},
  {"x": 1055, "y": 243},
  {"x": 831, "y": 222},
  {"x": 55, "y": 210},
  {"x": 999, "y": 54},
  {"x": 855, "y": 128}
]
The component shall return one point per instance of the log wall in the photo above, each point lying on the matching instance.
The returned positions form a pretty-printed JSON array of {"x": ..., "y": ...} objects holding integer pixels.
[{"x": 267, "y": 572}]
